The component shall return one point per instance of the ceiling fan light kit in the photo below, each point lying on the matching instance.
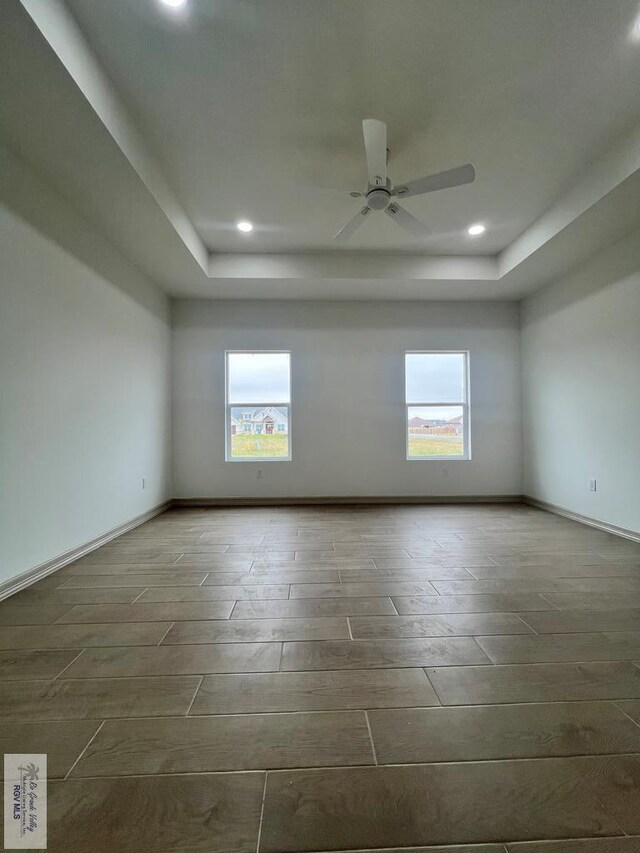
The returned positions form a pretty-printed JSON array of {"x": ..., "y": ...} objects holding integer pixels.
[
  {"x": 380, "y": 192},
  {"x": 378, "y": 199}
]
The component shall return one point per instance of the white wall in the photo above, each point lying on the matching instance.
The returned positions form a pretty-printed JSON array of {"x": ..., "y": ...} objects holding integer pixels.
[
  {"x": 84, "y": 399},
  {"x": 348, "y": 395},
  {"x": 581, "y": 388}
]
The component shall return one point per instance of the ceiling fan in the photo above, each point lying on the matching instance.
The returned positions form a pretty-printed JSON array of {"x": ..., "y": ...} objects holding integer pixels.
[{"x": 380, "y": 194}]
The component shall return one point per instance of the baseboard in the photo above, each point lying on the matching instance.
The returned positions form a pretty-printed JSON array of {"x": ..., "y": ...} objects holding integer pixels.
[
  {"x": 30, "y": 577},
  {"x": 583, "y": 519},
  {"x": 341, "y": 500}
]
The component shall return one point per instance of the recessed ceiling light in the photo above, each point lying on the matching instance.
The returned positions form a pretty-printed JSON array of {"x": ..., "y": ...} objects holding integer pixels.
[
  {"x": 476, "y": 230},
  {"x": 244, "y": 226},
  {"x": 175, "y": 4}
]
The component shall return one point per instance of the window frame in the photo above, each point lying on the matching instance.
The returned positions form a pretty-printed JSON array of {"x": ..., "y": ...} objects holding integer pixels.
[
  {"x": 465, "y": 406},
  {"x": 252, "y": 405}
]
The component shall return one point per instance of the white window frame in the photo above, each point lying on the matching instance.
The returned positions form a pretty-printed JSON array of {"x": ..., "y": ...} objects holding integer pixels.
[
  {"x": 466, "y": 421},
  {"x": 252, "y": 405}
]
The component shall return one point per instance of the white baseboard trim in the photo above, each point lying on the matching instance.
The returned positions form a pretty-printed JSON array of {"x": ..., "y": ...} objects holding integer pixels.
[
  {"x": 583, "y": 519},
  {"x": 348, "y": 500},
  {"x": 25, "y": 579}
]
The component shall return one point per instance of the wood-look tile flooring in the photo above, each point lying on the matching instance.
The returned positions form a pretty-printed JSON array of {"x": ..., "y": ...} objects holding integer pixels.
[{"x": 459, "y": 678}]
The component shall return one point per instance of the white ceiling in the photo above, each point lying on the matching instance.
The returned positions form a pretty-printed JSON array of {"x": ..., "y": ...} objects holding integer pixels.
[
  {"x": 253, "y": 108},
  {"x": 249, "y": 104}
]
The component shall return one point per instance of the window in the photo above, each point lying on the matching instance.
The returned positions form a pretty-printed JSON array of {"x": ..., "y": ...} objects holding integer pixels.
[
  {"x": 437, "y": 405},
  {"x": 258, "y": 397}
]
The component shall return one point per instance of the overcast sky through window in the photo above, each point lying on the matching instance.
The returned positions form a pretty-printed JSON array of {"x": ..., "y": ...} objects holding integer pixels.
[
  {"x": 264, "y": 377},
  {"x": 435, "y": 377},
  {"x": 259, "y": 377}
]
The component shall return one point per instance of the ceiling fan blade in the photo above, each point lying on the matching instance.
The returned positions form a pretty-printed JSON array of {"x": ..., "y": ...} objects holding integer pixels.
[
  {"x": 353, "y": 224},
  {"x": 405, "y": 220},
  {"x": 441, "y": 181},
  {"x": 375, "y": 146}
]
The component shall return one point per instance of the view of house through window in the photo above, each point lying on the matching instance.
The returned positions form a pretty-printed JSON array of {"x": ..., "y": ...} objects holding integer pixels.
[
  {"x": 437, "y": 409},
  {"x": 258, "y": 405}
]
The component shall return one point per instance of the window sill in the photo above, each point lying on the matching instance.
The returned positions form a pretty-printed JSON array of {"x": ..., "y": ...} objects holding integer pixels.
[
  {"x": 438, "y": 459},
  {"x": 259, "y": 459}
]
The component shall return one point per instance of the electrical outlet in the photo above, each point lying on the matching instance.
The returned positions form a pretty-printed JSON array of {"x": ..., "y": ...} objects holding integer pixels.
[
  {"x": 259, "y": 473},
  {"x": 593, "y": 485}
]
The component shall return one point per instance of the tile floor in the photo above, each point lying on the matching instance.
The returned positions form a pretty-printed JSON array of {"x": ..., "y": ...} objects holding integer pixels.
[{"x": 460, "y": 678}]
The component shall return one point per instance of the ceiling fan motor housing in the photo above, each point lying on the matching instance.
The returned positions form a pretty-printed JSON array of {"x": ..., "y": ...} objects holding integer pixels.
[{"x": 378, "y": 198}]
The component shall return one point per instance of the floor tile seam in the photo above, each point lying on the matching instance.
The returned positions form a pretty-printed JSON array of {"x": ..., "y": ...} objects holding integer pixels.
[
  {"x": 262, "y": 807},
  {"x": 373, "y": 746},
  {"x": 161, "y": 640},
  {"x": 91, "y": 739},
  {"x": 622, "y": 710},
  {"x": 193, "y": 698},
  {"x": 461, "y": 764},
  {"x": 64, "y": 669}
]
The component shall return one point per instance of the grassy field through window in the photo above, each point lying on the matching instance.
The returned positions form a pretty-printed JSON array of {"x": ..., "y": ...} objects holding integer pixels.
[
  {"x": 436, "y": 445},
  {"x": 261, "y": 446}
]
